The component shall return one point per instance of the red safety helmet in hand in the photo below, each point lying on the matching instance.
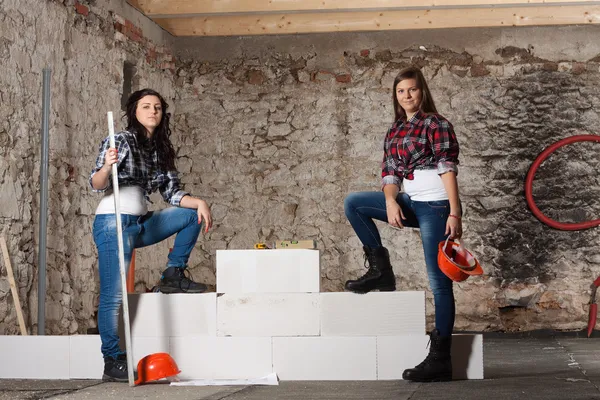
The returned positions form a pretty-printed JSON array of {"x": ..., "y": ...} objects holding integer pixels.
[{"x": 456, "y": 262}]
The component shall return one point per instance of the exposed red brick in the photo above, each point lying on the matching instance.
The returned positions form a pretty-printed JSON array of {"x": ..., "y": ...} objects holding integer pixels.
[
  {"x": 479, "y": 70},
  {"x": 344, "y": 78},
  {"x": 169, "y": 66},
  {"x": 550, "y": 66},
  {"x": 365, "y": 53},
  {"x": 135, "y": 37},
  {"x": 255, "y": 77},
  {"x": 133, "y": 32},
  {"x": 151, "y": 56},
  {"x": 578, "y": 68},
  {"x": 119, "y": 27},
  {"x": 81, "y": 9}
]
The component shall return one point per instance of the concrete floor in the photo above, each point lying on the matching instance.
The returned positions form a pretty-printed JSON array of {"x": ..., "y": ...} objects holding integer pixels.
[{"x": 516, "y": 367}]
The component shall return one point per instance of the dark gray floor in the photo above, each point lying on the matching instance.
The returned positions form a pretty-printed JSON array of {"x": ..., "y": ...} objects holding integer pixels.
[{"x": 551, "y": 367}]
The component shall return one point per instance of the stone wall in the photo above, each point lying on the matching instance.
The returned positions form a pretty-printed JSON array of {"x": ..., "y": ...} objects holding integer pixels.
[
  {"x": 275, "y": 131},
  {"x": 281, "y": 129},
  {"x": 86, "y": 46}
]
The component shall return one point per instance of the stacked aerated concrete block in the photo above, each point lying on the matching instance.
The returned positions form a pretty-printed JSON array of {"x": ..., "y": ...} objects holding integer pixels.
[
  {"x": 268, "y": 315},
  {"x": 326, "y": 336}
]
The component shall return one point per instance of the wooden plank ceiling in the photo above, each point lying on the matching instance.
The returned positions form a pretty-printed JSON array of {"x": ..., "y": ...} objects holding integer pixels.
[{"x": 267, "y": 17}]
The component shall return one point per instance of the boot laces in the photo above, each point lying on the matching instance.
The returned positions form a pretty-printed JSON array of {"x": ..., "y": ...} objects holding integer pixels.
[
  {"x": 185, "y": 279},
  {"x": 432, "y": 356},
  {"x": 120, "y": 362},
  {"x": 370, "y": 265}
]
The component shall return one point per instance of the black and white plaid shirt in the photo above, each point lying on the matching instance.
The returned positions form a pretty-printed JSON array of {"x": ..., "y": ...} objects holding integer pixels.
[{"x": 138, "y": 166}]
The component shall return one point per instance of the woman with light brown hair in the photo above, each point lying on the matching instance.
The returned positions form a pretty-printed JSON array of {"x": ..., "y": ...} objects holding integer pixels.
[{"x": 420, "y": 156}]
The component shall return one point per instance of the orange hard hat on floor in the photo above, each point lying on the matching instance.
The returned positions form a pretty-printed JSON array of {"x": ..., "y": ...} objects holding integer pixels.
[
  {"x": 456, "y": 262},
  {"x": 156, "y": 366}
]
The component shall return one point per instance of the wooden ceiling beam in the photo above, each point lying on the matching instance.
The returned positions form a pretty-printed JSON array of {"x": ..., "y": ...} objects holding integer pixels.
[
  {"x": 181, "y": 8},
  {"x": 268, "y": 24}
]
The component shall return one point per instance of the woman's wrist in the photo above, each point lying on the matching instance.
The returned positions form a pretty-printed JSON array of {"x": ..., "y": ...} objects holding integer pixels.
[
  {"x": 456, "y": 211},
  {"x": 199, "y": 202}
]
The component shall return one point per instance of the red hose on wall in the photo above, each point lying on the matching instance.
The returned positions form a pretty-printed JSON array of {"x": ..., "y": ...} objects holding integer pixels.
[
  {"x": 593, "y": 311},
  {"x": 529, "y": 185}
]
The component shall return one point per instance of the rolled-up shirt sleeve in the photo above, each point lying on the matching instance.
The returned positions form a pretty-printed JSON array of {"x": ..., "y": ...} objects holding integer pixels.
[
  {"x": 445, "y": 146},
  {"x": 391, "y": 180},
  {"x": 390, "y": 166},
  {"x": 122, "y": 150},
  {"x": 171, "y": 188}
]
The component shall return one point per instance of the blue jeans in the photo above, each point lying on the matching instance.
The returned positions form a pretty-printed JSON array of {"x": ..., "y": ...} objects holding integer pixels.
[
  {"x": 138, "y": 231},
  {"x": 430, "y": 217}
]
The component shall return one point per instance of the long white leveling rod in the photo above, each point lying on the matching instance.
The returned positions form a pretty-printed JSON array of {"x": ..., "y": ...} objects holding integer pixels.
[{"x": 115, "y": 183}]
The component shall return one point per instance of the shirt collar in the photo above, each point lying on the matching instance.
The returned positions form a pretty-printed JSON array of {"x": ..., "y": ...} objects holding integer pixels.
[
  {"x": 416, "y": 117},
  {"x": 414, "y": 120}
]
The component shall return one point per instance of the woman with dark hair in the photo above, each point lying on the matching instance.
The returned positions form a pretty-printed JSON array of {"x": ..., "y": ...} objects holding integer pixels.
[
  {"x": 145, "y": 161},
  {"x": 420, "y": 154}
]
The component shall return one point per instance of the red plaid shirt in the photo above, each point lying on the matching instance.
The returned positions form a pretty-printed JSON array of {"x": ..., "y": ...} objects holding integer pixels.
[{"x": 424, "y": 142}]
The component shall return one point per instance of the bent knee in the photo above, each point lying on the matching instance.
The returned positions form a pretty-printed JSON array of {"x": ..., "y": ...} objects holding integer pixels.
[{"x": 351, "y": 201}]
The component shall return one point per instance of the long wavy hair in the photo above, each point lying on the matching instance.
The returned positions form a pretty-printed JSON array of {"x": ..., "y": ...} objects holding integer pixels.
[
  {"x": 427, "y": 104},
  {"x": 161, "y": 136}
]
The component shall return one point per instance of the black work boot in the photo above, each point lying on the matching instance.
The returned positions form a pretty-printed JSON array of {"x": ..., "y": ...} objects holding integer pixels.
[
  {"x": 379, "y": 276},
  {"x": 115, "y": 369},
  {"x": 173, "y": 280},
  {"x": 437, "y": 366}
]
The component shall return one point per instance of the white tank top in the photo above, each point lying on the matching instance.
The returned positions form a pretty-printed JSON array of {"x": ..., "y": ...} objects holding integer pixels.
[
  {"x": 131, "y": 201},
  {"x": 427, "y": 186}
]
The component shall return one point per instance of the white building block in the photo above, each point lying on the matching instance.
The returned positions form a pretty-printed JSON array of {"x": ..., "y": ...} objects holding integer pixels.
[
  {"x": 268, "y": 271},
  {"x": 268, "y": 314},
  {"x": 180, "y": 314},
  {"x": 35, "y": 357},
  {"x": 397, "y": 353},
  {"x": 86, "y": 361},
  {"x": 467, "y": 356},
  {"x": 325, "y": 358},
  {"x": 143, "y": 346},
  {"x": 222, "y": 357},
  {"x": 372, "y": 314}
]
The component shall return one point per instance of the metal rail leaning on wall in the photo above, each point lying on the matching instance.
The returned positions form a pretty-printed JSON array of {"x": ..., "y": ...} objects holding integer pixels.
[{"x": 43, "y": 230}]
